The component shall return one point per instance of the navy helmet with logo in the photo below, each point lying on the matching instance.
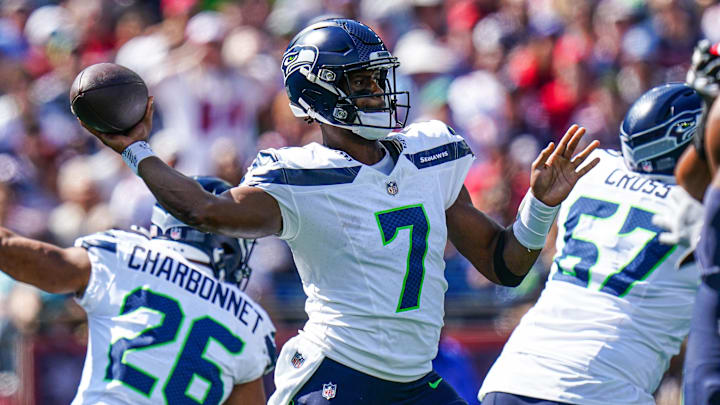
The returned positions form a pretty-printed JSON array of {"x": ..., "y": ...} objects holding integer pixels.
[
  {"x": 228, "y": 257},
  {"x": 658, "y": 127},
  {"x": 316, "y": 66}
]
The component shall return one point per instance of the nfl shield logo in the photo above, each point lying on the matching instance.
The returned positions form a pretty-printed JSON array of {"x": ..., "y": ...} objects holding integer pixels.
[
  {"x": 392, "y": 188},
  {"x": 175, "y": 233},
  {"x": 329, "y": 390},
  {"x": 297, "y": 360},
  {"x": 646, "y": 166}
]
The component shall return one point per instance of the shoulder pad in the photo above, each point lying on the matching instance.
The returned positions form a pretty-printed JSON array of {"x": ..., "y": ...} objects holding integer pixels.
[
  {"x": 606, "y": 156},
  {"x": 426, "y": 135},
  {"x": 102, "y": 240},
  {"x": 109, "y": 240},
  {"x": 310, "y": 156},
  {"x": 263, "y": 158},
  {"x": 611, "y": 152},
  {"x": 311, "y": 165},
  {"x": 430, "y": 128}
]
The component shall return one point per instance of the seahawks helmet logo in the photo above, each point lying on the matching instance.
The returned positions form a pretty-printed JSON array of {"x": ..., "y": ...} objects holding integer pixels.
[
  {"x": 297, "y": 57},
  {"x": 683, "y": 131}
]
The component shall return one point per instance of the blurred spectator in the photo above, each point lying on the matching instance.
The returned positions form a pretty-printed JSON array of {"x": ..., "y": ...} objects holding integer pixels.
[
  {"x": 508, "y": 75},
  {"x": 209, "y": 100},
  {"x": 19, "y": 307},
  {"x": 423, "y": 59},
  {"x": 82, "y": 211},
  {"x": 227, "y": 160}
]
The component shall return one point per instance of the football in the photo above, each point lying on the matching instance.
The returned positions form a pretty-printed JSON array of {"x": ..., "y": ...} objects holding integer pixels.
[{"x": 108, "y": 97}]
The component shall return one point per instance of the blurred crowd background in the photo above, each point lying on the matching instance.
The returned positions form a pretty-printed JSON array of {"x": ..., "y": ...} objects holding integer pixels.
[{"x": 508, "y": 75}]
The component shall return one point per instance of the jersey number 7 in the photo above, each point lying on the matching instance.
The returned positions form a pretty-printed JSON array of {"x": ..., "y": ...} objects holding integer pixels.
[{"x": 414, "y": 219}]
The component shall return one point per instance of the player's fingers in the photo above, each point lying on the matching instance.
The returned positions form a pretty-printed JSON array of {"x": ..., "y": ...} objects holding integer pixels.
[
  {"x": 543, "y": 156},
  {"x": 711, "y": 66},
  {"x": 580, "y": 157},
  {"x": 562, "y": 145},
  {"x": 142, "y": 129},
  {"x": 667, "y": 238},
  {"x": 149, "y": 109},
  {"x": 114, "y": 141},
  {"x": 92, "y": 131},
  {"x": 573, "y": 143},
  {"x": 585, "y": 169},
  {"x": 98, "y": 134},
  {"x": 661, "y": 221},
  {"x": 89, "y": 128}
]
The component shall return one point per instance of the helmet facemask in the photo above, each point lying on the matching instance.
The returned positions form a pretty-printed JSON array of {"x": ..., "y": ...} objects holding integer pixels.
[
  {"x": 368, "y": 121},
  {"x": 231, "y": 259}
]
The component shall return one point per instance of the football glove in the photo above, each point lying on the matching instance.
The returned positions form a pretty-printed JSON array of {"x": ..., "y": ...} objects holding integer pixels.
[
  {"x": 704, "y": 73},
  {"x": 682, "y": 224},
  {"x": 704, "y": 77}
]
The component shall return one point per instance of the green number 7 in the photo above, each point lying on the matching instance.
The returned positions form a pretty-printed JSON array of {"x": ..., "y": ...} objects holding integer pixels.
[{"x": 413, "y": 218}]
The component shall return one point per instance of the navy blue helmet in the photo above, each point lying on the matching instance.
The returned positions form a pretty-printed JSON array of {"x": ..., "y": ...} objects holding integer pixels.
[
  {"x": 316, "y": 66},
  {"x": 658, "y": 127},
  {"x": 228, "y": 257}
]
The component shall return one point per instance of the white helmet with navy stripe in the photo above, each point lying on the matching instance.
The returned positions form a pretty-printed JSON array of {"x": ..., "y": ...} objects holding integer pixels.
[{"x": 227, "y": 256}]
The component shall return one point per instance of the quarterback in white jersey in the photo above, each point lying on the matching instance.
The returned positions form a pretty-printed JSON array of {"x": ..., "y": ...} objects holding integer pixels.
[
  {"x": 382, "y": 269},
  {"x": 616, "y": 307},
  {"x": 367, "y": 215},
  {"x": 164, "y": 327}
]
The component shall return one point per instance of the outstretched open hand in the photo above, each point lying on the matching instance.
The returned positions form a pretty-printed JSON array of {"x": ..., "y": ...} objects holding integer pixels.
[
  {"x": 118, "y": 142},
  {"x": 555, "y": 171}
]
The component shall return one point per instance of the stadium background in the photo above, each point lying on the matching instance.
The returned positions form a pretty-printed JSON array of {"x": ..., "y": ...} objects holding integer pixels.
[{"x": 509, "y": 75}]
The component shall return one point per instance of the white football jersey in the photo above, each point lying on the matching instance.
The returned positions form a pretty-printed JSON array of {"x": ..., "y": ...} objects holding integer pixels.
[
  {"x": 163, "y": 330},
  {"x": 369, "y": 246},
  {"x": 614, "y": 310}
]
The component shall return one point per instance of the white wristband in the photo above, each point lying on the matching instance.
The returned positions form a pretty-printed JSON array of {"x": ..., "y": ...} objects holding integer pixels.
[
  {"x": 533, "y": 222},
  {"x": 135, "y": 153}
]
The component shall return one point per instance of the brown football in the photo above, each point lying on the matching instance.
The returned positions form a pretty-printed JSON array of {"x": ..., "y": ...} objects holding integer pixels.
[{"x": 108, "y": 97}]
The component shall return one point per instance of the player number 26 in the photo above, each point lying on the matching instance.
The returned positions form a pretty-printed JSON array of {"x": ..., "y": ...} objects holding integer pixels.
[{"x": 190, "y": 363}]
